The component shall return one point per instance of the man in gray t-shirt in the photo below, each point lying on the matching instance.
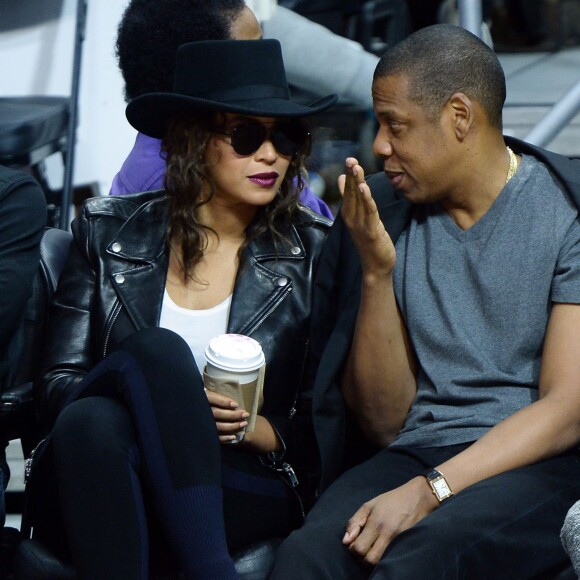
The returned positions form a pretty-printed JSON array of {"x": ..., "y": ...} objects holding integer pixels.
[
  {"x": 476, "y": 304},
  {"x": 464, "y": 366}
]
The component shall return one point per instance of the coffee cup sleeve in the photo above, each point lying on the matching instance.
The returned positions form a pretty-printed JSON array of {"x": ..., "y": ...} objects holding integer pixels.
[
  {"x": 258, "y": 399},
  {"x": 249, "y": 396}
]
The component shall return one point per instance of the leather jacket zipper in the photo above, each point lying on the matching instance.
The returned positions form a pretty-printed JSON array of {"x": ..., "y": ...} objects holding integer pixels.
[
  {"x": 265, "y": 315},
  {"x": 29, "y": 460},
  {"x": 112, "y": 318},
  {"x": 293, "y": 409}
]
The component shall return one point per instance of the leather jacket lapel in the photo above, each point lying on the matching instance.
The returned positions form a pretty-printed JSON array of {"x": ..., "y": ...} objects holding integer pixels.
[
  {"x": 141, "y": 245},
  {"x": 263, "y": 281}
]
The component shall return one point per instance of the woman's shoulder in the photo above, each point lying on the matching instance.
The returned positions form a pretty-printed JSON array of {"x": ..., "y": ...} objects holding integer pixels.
[
  {"x": 308, "y": 218},
  {"x": 133, "y": 217},
  {"x": 310, "y": 228},
  {"x": 121, "y": 206}
]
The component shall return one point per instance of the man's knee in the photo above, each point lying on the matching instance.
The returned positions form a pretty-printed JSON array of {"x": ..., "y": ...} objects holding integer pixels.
[
  {"x": 444, "y": 548},
  {"x": 316, "y": 552},
  {"x": 299, "y": 551}
]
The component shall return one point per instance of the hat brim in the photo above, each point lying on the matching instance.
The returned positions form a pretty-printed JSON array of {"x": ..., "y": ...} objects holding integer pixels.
[{"x": 150, "y": 113}]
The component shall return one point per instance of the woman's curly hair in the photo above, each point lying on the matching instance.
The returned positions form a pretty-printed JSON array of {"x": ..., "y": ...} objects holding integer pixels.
[{"x": 188, "y": 172}]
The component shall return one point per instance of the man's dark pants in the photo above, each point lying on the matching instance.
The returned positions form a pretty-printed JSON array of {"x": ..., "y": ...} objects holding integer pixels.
[{"x": 505, "y": 527}]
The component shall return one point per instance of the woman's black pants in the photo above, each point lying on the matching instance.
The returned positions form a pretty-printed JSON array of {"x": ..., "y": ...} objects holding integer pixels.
[{"x": 142, "y": 478}]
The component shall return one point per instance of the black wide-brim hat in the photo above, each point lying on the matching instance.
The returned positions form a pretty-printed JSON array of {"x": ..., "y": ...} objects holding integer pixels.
[{"x": 234, "y": 76}]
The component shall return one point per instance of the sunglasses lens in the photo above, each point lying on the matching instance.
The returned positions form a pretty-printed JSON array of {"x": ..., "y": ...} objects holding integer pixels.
[
  {"x": 247, "y": 139},
  {"x": 289, "y": 138}
]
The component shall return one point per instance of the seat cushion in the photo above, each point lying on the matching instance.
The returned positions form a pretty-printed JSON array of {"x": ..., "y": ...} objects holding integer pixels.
[
  {"x": 256, "y": 561},
  {"x": 29, "y": 123},
  {"x": 34, "y": 561}
]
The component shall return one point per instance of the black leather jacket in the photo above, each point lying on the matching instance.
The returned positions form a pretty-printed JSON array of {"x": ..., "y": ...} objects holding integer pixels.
[{"x": 113, "y": 285}]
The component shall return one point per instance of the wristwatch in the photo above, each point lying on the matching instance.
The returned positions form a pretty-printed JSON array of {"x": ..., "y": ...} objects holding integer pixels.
[{"x": 438, "y": 483}]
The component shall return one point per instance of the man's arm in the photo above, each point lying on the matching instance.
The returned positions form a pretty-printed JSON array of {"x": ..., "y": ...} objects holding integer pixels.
[
  {"x": 379, "y": 378},
  {"x": 543, "y": 429}
]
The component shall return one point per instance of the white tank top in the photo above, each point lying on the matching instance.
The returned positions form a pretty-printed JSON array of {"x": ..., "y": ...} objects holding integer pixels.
[{"x": 196, "y": 327}]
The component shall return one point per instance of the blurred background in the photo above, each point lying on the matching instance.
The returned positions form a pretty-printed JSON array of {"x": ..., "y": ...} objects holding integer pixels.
[{"x": 537, "y": 42}]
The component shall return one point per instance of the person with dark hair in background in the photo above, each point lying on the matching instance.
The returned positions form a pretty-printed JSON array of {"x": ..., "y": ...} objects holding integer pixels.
[
  {"x": 22, "y": 221},
  {"x": 148, "y": 36},
  {"x": 457, "y": 275},
  {"x": 140, "y": 453}
]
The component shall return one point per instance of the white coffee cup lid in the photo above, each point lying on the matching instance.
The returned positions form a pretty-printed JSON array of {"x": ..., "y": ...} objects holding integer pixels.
[{"x": 234, "y": 352}]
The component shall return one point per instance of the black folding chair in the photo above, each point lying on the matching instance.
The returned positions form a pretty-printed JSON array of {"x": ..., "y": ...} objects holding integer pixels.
[{"x": 35, "y": 127}]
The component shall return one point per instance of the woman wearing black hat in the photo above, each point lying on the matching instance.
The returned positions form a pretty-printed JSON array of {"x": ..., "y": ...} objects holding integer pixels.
[{"x": 140, "y": 458}]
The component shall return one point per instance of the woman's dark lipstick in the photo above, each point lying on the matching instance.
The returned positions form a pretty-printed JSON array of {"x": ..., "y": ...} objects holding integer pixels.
[{"x": 264, "y": 179}]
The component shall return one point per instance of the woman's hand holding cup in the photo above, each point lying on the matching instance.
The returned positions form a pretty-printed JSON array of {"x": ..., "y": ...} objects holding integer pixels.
[
  {"x": 230, "y": 419},
  {"x": 234, "y": 374}
]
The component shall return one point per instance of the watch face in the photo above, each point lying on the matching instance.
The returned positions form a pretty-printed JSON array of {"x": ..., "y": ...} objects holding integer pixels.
[
  {"x": 441, "y": 488},
  {"x": 438, "y": 483}
]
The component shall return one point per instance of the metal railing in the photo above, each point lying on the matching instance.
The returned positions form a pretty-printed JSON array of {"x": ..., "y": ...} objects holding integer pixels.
[{"x": 470, "y": 18}]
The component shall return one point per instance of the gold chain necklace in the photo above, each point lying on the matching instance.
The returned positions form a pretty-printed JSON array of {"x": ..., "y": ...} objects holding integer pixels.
[{"x": 513, "y": 165}]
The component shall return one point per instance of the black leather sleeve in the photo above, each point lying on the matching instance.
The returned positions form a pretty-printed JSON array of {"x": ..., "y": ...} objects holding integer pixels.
[{"x": 69, "y": 352}]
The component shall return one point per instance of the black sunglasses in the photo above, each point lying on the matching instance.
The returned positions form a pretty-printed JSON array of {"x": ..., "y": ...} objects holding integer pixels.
[{"x": 247, "y": 138}]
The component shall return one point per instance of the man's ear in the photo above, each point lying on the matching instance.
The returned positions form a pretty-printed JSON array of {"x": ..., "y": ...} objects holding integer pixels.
[{"x": 461, "y": 112}]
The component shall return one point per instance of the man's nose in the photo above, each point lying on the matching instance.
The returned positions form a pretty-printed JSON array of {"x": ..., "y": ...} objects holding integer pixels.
[{"x": 382, "y": 145}]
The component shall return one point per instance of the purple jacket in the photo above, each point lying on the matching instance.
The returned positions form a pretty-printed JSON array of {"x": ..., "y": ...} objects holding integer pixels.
[{"x": 144, "y": 170}]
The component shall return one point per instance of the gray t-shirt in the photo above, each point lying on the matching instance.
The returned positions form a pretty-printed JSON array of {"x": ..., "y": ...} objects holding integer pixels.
[{"x": 476, "y": 304}]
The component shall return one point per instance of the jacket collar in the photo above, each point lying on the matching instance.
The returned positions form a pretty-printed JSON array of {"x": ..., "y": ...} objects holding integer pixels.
[
  {"x": 264, "y": 280},
  {"x": 264, "y": 248},
  {"x": 142, "y": 237},
  {"x": 140, "y": 281}
]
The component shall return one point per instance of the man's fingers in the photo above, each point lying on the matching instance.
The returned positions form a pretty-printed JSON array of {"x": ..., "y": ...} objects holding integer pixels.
[
  {"x": 352, "y": 533},
  {"x": 364, "y": 542},
  {"x": 351, "y": 188},
  {"x": 376, "y": 551},
  {"x": 355, "y": 525},
  {"x": 371, "y": 543},
  {"x": 348, "y": 182},
  {"x": 369, "y": 203}
]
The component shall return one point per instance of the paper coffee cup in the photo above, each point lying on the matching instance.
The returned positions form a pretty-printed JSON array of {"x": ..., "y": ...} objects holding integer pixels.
[
  {"x": 234, "y": 356},
  {"x": 235, "y": 368}
]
